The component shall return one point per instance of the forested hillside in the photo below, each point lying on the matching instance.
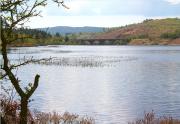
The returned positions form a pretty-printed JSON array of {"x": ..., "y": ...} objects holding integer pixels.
[{"x": 72, "y": 30}]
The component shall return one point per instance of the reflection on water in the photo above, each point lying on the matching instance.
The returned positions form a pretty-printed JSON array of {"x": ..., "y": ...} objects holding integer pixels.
[{"x": 113, "y": 84}]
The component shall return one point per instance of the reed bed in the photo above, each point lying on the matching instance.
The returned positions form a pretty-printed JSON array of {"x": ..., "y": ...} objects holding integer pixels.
[
  {"x": 150, "y": 118},
  {"x": 87, "y": 61},
  {"x": 10, "y": 115}
]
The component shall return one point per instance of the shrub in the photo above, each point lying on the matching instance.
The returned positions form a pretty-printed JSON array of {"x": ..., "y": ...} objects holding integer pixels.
[
  {"x": 10, "y": 114},
  {"x": 173, "y": 35}
]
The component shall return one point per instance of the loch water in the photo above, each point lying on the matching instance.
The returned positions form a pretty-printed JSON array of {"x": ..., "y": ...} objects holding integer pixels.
[{"x": 112, "y": 84}]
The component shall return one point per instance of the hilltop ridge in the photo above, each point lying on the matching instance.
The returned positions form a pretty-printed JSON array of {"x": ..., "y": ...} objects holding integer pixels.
[
  {"x": 149, "y": 32},
  {"x": 72, "y": 30}
]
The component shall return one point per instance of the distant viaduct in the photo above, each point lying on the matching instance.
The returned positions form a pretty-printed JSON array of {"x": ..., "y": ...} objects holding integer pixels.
[{"x": 100, "y": 41}]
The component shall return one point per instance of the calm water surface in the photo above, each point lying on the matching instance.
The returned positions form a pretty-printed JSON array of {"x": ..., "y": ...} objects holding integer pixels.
[{"x": 113, "y": 84}]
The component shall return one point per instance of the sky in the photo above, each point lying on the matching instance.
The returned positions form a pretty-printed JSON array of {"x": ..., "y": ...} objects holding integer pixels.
[{"x": 104, "y": 13}]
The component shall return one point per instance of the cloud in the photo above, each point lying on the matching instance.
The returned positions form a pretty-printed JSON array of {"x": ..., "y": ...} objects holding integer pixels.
[
  {"x": 79, "y": 21},
  {"x": 98, "y": 21},
  {"x": 174, "y": 2},
  {"x": 113, "y": 7}
]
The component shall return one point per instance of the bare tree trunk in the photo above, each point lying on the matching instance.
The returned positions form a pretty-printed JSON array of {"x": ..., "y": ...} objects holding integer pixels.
[
  {"x": 24, "y": 110},
  {"x": 14, "y": 14}
]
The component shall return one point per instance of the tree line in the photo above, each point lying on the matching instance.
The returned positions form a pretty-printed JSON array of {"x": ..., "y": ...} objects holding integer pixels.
[{"x": 171, "y": 35}]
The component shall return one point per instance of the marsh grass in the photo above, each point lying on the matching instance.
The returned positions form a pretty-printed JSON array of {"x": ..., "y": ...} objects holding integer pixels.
[
  {"x": 56, "y": 118},
  {"x": 151, "y": 118},
  {"x": 10, "y": 114}
]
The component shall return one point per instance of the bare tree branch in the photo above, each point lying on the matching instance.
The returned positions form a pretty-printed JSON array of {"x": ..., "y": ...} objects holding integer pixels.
[
  {"x": 61, "y": 3},
  {"x": 35, "y": 85},
  {"x": 30, "y": 61},
  {"x": 15, "y": 13}
]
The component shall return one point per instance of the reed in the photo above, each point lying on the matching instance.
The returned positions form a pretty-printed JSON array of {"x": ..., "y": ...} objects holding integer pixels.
[
  {"x": 10, "y": 115},
  {"x": 150, "y": 118}
]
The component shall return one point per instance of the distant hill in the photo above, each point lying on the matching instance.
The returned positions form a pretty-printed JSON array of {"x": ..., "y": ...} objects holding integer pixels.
[
  {"x": 159, "y": 31},
  {"x": 72, "y": 30},
  {"x": 149, "y": 32}
]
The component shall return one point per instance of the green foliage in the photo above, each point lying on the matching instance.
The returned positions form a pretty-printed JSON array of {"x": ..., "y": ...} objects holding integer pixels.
[
  {"x": 121, "y": 42},
  {"x": 66, "y": 38},
  {"x": 172, "y": 35},
  {"x": 147, "y": 20},
  {"x": 140, "y": 36},
  {"x": 34, "y": 33},
  {"x": 143, "y": 36}
]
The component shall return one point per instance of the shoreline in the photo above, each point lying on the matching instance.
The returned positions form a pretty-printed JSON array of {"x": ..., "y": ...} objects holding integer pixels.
[{"x": 90, "y": 45}]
